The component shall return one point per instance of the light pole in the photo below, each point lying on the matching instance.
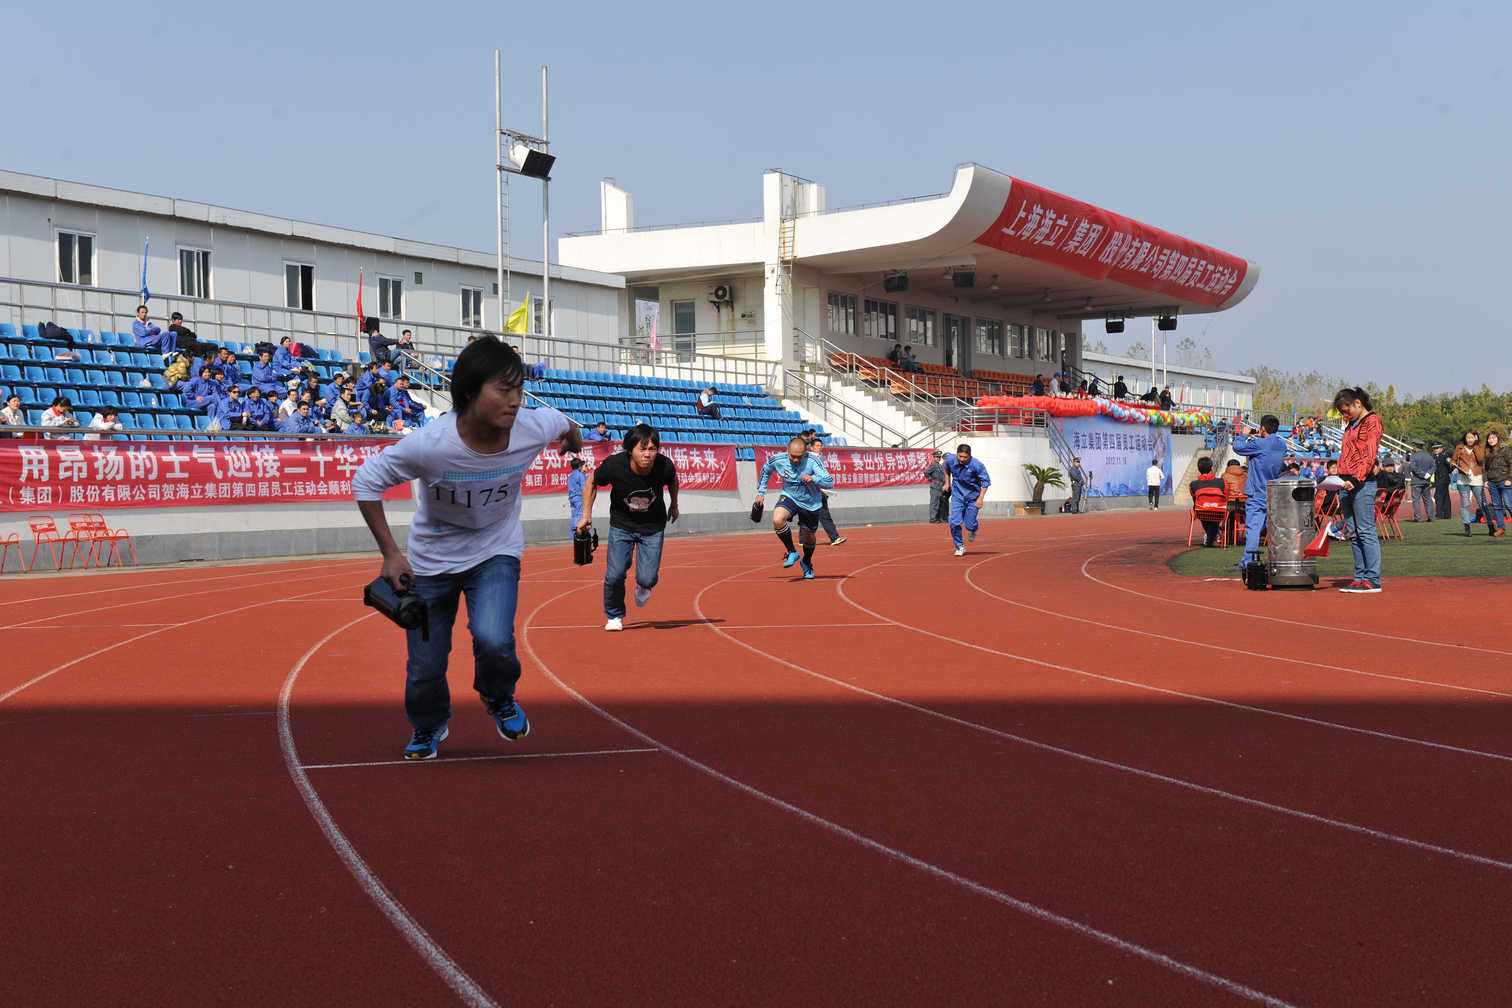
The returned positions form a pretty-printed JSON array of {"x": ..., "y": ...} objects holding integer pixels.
[{"x": 523, "y": 154}]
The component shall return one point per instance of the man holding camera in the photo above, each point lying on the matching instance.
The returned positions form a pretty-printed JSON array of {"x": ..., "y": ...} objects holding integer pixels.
[{"x": 1267, "y": 454}]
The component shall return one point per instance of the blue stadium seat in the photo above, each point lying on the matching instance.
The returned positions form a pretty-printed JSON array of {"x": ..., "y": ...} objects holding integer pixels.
[
  {"x": 11, "y": 374},
  {"x": 183, "y": 422},
  {"x": 89, "y": 397},
  {"x": 201, "y": 421},
  {"x": 28, "y": 332},
  {"x": 115, "y": 379},
  {"x": 7, "y": 331}
]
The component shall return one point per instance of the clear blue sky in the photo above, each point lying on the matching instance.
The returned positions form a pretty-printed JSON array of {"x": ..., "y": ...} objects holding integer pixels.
[{"x": 1358, "y": 151}]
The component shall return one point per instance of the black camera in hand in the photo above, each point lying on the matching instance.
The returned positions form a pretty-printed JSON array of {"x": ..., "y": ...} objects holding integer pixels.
[
  {"x": 405, "y": 610},
  {"x": 584, "y": 542}
]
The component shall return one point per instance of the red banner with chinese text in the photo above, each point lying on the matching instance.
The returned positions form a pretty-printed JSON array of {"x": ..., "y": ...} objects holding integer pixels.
[
  {"x": 699, "y": 467},
  {"x": 860, "y": 468},
  {"x": 101, "y": 474},
  {"x": 1046, "y": 226}
]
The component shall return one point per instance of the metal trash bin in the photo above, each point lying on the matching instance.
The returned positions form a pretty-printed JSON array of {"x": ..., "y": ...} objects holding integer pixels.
[{"x": 1288, "y": 530}]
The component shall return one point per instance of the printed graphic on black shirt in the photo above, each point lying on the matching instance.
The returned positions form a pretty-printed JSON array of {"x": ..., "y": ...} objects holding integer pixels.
[{"x": 640, "y": 500}]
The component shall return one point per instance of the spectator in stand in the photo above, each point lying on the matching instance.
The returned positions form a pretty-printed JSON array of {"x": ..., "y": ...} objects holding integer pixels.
[
  {"x": 533, "y": 371},
  {"x": 1078, "y": 477},
  {"x": 1498, "y": 474},
  {"x": 59, "y": 414},
  {"x": 268, "y": 377},
  {"x": 226, "y": 361},
  {"x": 1387, "y": 478},
  {"x": 285, "y": 361},
  {"x": 1055, "y": 384},
  {"x": 1234, "y": 476},
  {"x": 1120, "y": 390},
  {"x": 907, "y": 362},
  {"x": 184, "y": 336},
  {"x": 1207, "y": 481},
  {"x": 375, "y": 400},
  {"x": 231, "y": 412},
  {"x": 359, "y": 422},
  {"x": 1265, "y": 451},
  {"x": 11, "y": 414},
  {"x": 149, "y": 335},
  {"x": 1166, "y": 402},
  {"x": 300, "y": 422},
  {"x": 386, "y": 374},
  {"x": 51, "y": 332},
  {"x": 332, "y": 392},
  {"x": 1420, "y": 471},
  {"x": 177, "y": 373},
  {"x": 1470, "y": 460},
  {"x": 1037, "y": 387},
  {"x": 290, "y": 404},
  {"x": 366, "y": 379},
  {"x": 1154, "y": 480},
  {"x": 202, "y": 393},
  {"x": 400, "y": 403},
  {"x": 1357, "y": 457},
  {"x": 1152, "y": 397},
  {"x": 895, "y": 355},
  {"x": 105, "y": 420},
  {"x": 378, "y": 344},
  {"x": 341, "y": 410},
  {"x": 706, "y": 406},
  {"x": 1094, "y": 386},
  {"x": 1081, "y": 389},
  {"x": 600, "y": 432},
  {"x": 1443, "y": 467},
  {"x": 259, "y": 411},
  {"x": 939, "y": 500}
]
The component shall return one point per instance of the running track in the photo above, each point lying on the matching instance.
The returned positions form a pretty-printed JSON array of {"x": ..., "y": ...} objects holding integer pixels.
[{"x": 1046, "y": 773}]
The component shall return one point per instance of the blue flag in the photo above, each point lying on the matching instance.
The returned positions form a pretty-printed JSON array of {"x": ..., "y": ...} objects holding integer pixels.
[{"x": 146, "y": 294}]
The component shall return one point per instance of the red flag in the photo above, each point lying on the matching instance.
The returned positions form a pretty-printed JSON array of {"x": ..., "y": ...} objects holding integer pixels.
[{"x": 361, "y": 322}]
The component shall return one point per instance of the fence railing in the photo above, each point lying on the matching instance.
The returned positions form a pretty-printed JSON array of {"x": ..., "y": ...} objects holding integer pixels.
[
  {"x": 928, "y": 407},
  {"x": 835, "y": 413}
]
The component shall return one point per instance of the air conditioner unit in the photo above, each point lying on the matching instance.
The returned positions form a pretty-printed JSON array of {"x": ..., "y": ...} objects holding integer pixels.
[{"x": 722, "y": 293}]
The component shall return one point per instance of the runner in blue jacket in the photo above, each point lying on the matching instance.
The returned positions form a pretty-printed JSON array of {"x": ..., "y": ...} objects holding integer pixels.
[
  {"x": 803, "y": 477},
  {"x": 967, "y": 481}
]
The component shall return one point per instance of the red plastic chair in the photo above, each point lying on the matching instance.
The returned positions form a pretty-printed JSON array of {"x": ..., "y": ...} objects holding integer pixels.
[
  {"x": 59, "y": 544},
  {"x": 1386, "y": 504},
  {"x": 14, "y": 539},
  {"x": 1209, "y": 504}
]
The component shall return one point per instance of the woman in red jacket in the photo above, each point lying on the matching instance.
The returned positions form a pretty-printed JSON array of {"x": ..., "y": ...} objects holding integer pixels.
[{"x": 1357, "y": 460}]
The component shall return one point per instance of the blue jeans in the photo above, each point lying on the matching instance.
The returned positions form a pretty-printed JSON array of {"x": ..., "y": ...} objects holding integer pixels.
[
  {"x": 1467, "y": 493},
  {"x": 1254, "y": 526},
  {"x": 963, "y": 511},
  {"x": 493, "y": 590},
  {"x": 1501, "y": 503},
  {"x": 647, "y": 550},
  {"x": 1358, "y": 508}
]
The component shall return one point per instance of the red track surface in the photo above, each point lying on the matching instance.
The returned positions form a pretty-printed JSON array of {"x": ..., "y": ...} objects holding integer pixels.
[{"x": 1046, "y": 773}]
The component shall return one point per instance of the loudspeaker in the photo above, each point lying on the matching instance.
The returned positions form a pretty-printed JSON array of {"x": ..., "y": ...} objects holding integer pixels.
[
  {"x": 529, "y": 161},
  {"x": 894, "y": 282},
  {"x": 963, "y": 278},
  {"x": 1166, "y": 323},
  {"x": 1113, "y": 325}
]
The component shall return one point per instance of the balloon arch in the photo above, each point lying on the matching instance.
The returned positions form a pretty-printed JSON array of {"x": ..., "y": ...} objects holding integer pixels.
[{"x": 1060, "y": 406}]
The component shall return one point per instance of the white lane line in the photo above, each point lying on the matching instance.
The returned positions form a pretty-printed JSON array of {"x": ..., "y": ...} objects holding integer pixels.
[
  {"x": 1287, "y": 659},
  {"x": 1023, "y": 906},
  {"x": 463, "y": 985},
  {"x": 1233, "y": 704},
  {"x": 1252, "y": 615},
  {"x": 172, "y": 626},
  {"x": 701, "y": 622},
  {"x": 1123, "y": 767},
  {"x": 241, "y": 570},
  {"x": 475, "y": 759},
  {"x": 235, "y": 713}
]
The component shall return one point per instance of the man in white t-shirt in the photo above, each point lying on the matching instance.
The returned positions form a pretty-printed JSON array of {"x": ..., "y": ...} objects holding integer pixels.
[
  {"x": 1154, "y": 478},
  {"x": 465, "y": 537}
]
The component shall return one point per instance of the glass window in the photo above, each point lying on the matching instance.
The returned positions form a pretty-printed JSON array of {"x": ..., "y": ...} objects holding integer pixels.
[
  {"x": 1016, "y": 346},
  {"x": 879, "y": 320},
  {"x": 390, "y": 297},
  {"x": 682, "y": 318},
  {"x": 989, "y": 337},
  {"x": 537, "y": 315},
  {"x": 299, "y": 286},
  {"x": 76, "y": 258},
  {"x": 920, "y": 328},
  {"x": 841, "y": 314},
  {"x": 472, "y": 307},
  {"x": 194, "y": 273}
]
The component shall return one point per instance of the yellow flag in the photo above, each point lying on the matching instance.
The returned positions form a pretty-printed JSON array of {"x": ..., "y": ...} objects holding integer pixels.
[{"x": 519, "y": 319}]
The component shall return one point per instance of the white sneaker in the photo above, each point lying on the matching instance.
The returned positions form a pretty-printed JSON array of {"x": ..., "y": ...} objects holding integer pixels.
[
  {"x": 642, "y": 595},
  {"x": 960, "y": 551},
  {"x": 615, "y": 623}
]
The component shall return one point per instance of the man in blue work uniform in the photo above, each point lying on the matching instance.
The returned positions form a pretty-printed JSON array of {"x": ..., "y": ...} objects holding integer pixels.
[
  {"x": 1267, "y": 454},
  {"x": 803, "y": 476},
  {"x": 967, "y": 482}
]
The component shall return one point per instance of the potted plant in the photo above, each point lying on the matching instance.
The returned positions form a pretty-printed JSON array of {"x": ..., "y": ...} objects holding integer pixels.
[{"x": 1042, "y": 476}]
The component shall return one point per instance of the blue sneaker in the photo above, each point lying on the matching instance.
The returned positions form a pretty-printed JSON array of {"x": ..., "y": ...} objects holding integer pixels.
[
  {"x": 792, "y": 558},
  {"x": 509, "y": 719},
  {"x": 808, "y": 570},
  {"x": 422, "y": 744}
]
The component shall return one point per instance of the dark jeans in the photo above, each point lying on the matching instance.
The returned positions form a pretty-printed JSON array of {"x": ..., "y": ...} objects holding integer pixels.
[
  {"x": 647, "y": 550},
  {"x": 1154, "y": 496},
  {"x": 493, "y": 590},
  {"x": 711, "y": 411},
  {"x": 826, "y": 522}
]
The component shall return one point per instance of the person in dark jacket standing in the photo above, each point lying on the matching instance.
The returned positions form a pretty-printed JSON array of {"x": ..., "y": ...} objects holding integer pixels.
[
  {"x": 1441, "y": 469},
  {"x": 1420, "y": 472},
  {"x": 939, "y": 503},
  {"x": 1498, "y": 483},
  {"x": 1079, "y": 485}
]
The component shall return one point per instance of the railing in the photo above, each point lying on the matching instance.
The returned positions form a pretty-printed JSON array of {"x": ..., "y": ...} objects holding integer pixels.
[
  {"x": 735, "y": 342},
  {"x": 1012, "y": 421},
  {"x": 836, "y": 413},
  {"x": 930, "y": 409}
]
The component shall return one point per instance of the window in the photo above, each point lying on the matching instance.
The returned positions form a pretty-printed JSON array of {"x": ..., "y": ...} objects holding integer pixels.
[
  {"x": 390, "y": 297},
  {"x": 76, "y": 258},
  {"x": 989, "y": 337},
  {"x": 1016, "y": 345},
  {"x": 194, "y": 273},
  {"x": 299, "y": 286},
  {"x": 1044, "y": 344},
  {"x": 472, "y": 307},
  {"x": 879, "y": 320},
  {"x": 684, "y": 325},
  {"x": 538, "y": 317},
  {"x": 841, "y": 314},
  {"x": 919, "y": 329}
]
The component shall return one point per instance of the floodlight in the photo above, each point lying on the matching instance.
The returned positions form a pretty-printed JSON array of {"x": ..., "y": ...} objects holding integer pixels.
[
  {"x": 1113, "y": 325},
  {"x": 528, "y": 161},
  {"x": 1166, "y": 323}
]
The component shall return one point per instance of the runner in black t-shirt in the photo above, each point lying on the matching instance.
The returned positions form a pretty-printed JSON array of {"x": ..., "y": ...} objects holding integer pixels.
[{"x": 638, "y": 516}]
